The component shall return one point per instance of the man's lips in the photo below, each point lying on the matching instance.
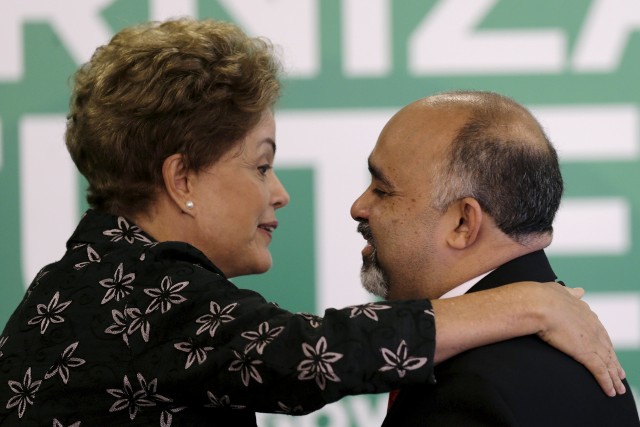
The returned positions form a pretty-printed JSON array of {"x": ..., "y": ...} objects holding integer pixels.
[
  {"x": 367, "y": 251},
  {"x": 363, "y": 228}
]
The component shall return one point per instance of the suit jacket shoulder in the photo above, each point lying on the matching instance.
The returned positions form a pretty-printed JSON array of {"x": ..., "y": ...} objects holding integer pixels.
[{"x": 518, "y": 382}]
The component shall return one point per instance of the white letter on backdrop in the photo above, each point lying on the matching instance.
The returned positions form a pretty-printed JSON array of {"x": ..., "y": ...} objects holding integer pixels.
[
  {"x": 290, "y": 24},
  {"x": 77, "y": 23},
  {"x": 447, "y": 42},
  {"x": 366, "y": 35},
  {"x": 600, "y": 46}
]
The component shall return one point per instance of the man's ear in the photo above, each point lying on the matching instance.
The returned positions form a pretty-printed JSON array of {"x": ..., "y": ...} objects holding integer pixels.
[
  {"x": 177, "y": 182},
  {"x": 469, "y": 220}
]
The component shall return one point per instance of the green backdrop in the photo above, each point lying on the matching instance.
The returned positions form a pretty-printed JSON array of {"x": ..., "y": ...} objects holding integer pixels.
[{"x": 351, "y": 64}]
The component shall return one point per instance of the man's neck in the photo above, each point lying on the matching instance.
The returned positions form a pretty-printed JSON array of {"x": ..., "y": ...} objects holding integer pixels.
[{"x": 475, "y": 263}]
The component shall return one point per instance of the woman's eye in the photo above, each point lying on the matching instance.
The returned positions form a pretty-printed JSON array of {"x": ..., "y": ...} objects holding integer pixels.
[{"x": 263, "y": 169}]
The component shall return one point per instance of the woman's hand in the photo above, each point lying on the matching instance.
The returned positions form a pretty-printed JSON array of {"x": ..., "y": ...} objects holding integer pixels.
[
  {"x": 555, "y": 313},
  {"x": 570, "y": 326}
]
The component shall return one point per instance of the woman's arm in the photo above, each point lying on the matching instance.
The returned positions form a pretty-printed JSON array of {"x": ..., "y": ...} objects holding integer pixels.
[{"x": 553, "y": 312}]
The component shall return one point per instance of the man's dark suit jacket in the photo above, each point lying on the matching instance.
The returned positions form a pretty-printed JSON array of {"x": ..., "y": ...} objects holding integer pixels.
[{"x": 519, "y": 382}]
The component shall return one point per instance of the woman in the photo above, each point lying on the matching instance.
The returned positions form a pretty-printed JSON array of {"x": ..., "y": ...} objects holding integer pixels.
[{"x": 137, "y": 324}]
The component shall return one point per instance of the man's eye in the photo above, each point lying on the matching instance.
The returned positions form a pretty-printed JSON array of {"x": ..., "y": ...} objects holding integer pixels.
[{"x": 379, "y": 192}]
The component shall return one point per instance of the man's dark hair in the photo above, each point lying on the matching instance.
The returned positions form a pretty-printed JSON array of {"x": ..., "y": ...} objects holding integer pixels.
[{"x": 502, "y": 158}]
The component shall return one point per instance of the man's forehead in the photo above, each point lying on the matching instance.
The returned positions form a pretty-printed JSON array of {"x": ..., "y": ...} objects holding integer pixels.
[{"x": 420, "y": 131}]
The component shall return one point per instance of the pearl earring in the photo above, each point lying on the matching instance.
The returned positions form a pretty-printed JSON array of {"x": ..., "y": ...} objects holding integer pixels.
[{"x": 189, "y": 204}]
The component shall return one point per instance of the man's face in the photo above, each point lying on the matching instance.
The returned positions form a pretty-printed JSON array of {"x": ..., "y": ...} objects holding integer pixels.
[{"x": 404, "y": 232}]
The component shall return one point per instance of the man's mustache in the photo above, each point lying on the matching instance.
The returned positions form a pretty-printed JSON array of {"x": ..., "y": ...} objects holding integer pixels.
[{"x": 365, "y": 230}]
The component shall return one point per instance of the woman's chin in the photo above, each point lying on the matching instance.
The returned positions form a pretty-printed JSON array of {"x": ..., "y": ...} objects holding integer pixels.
[{"x": 259, "y": 267}]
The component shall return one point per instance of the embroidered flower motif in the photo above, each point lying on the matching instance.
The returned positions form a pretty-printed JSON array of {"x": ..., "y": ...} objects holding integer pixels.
[
  {"x": 150, "y": 389},
  {"x": 35, "y": 283},
  {"x": 313, "y": 320},
  {"x": 400, "y": 361},
  {"x": 165, "y": 295},
  {"x": 318, "y": 363},
  {"x": 64, "y": 362},
  {"x": 247, "y": 367},
  {"x": 92, "y": 255},
  {"x": 216, "y": 318},
  {"x": 195, "y": 350},
  {"x": 166, "y": 416},
  {"x": 368, "y": 310},
  {"x": 222, "y": 402},
  {"x": 284, "y": 409},
  {"x": 3, "y": 340},
  {"x": 49, "y": 313},
  {"x": 119, "y": 326},
  {"x": 57, "y": 423},
  {"x": 126, "y": 231},
  {"x": 39, "y": 276},
  {"x": 138, "y": 321},
  {"x": 118, "y": 287},
  {"x": 128, "y": 399},
  {"x": 25, "y": 393},
  {"x": 261, "y": 338}
]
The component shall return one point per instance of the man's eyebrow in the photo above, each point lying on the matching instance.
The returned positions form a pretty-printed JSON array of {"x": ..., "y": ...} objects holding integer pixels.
[{"x": 378, "y": 174}]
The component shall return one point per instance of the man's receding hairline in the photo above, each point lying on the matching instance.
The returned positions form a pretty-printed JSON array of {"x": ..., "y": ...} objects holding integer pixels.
[{"x": 504, "y": 117}]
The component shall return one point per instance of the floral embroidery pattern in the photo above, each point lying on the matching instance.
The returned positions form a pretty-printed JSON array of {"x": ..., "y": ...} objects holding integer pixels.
[
  {"x": 314, "y": 321},
  {"x": 127, "y": 232},
  {"x": 139, "y": 322},
  {"x": 25, "y": 393},
  {"x": 261, "y": 338},
  {"x": 318, "y": 363},
  {"x": 166, "y": 417},
  {"x": 129, "y": 399},
  {"x": 247, "y": 367},
  {"x": 57, "y": 423},
  {"x": 368, "y": 310},
  {"x": 3, "y": 340},
  {"x": 196, "y": 352},
  {"x": 400, "y": 361},
  {"x": 284, "y": 409},
  {"x": 146, "y": 396},
  {"x": 222, "y": 402},
  {"x": 49, "y": 313},
  {"x": 118, "y": 287},
  {"x": 92, "y": 255},
  {"x": 165, "y": 295},
  {"x": 127, "y": 322},
  {"x": 119, "y": 325},
  {"x": 216, "y": 318},
  {"x": 64, "y": 362}
]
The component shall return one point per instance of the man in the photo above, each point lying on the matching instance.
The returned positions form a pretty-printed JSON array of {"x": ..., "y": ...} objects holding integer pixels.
[{"x": 465, "y": 186}]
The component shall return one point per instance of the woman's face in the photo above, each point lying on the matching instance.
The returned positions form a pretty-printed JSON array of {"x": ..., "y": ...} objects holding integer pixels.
[{"x": 235, "y": 201}]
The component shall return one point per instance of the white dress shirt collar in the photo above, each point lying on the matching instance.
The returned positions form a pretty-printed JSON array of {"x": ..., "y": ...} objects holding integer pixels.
[{"x": 463, "y": 288}]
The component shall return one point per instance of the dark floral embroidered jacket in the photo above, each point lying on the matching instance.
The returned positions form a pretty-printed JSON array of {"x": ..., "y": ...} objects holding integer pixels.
[{"x": 124, "y": 330}]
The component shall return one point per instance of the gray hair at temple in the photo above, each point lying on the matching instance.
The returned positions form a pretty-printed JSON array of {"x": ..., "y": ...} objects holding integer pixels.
[{"x": 502, "y": 158}]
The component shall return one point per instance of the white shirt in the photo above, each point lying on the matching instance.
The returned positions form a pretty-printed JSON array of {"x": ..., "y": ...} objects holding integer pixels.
[{"x": 463, "y": 288}]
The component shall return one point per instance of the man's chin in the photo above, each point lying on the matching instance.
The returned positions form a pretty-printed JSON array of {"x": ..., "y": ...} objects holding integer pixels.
[{"x": 374, "y": 281}]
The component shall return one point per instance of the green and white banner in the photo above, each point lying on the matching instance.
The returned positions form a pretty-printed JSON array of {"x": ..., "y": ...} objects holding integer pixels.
[{"x": 350, "y": 65}]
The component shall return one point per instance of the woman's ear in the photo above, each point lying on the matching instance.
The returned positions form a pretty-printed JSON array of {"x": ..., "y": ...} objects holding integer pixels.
[
  {"x": 178, "y": 182},
  {"x": 469, "y": 220}
]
